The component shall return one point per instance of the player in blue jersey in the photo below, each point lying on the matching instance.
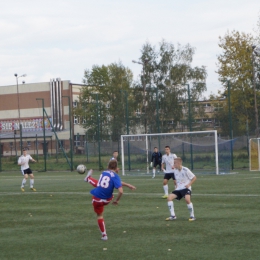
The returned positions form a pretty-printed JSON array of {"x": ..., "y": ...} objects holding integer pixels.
[{"x": 103, "y": 193}]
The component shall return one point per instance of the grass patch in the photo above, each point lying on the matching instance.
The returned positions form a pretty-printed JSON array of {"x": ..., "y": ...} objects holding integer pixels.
[{"x": 58, "y": 222}]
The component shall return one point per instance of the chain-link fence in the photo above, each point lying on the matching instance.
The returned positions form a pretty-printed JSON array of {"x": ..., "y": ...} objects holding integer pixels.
[{"x": 86, "y": 150}]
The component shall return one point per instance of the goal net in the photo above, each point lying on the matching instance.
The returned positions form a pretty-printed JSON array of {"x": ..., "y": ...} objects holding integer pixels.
[
  {"x": 201, "y": 151},
  {"x": 254, "y": 154}
]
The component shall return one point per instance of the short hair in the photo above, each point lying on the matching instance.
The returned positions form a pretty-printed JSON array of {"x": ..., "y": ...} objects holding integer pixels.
[
  {"x": 115, "y": 152},
  {"x": 155, "y": 147},
  {"x": 24, "y": 149},
  {"x": 167, "y": 146},
  {"x": 178, "y": 158},
  {"x": 112, "y": 165}
]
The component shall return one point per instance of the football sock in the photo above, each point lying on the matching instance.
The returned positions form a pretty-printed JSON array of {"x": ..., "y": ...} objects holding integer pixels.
[
  {"x": 153, "y": 172},
  {"x": 171, "y": 208},
  {"x": 92, "y": 181},
  {"x": 31, "y": 183},
  {"x": 165, "y": 187},
  {"x": 191, "y": 210},
  {"x": 23, "y": 182},
  {"x": 102, "y": 227}
]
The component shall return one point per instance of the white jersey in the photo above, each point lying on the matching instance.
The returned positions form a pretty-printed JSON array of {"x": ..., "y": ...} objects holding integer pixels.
[
  {"x": 183, "y": 177},
  {"x": 168, "y": 160},
  {"x": 25, "y": 160}
]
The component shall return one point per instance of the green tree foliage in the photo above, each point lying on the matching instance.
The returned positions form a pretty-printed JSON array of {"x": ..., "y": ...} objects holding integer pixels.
[
  {"x": 102, "y": 103},
  {"x": 168, "y": 70},
  {"x": 162, "y": 87},
  {"x": 235, "y": 65}
]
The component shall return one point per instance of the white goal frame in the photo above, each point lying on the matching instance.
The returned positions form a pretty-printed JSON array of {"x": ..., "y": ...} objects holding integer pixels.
[{"x": 164, "y": 134}]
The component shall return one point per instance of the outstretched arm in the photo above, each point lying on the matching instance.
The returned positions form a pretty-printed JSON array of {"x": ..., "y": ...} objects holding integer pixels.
[
  {"x": 119, "y": 195},
  {"x": 130, "y": 186}
]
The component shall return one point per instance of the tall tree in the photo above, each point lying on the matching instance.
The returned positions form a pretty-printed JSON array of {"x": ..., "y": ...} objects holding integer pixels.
[
  {"x": 165, "y": 75},
  {"x": 102, "y": 104},
  {"x": 235, "y": 65}
]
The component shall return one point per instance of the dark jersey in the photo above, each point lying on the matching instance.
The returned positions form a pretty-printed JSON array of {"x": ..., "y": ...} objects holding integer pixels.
[{"x": 156, "y": 157}]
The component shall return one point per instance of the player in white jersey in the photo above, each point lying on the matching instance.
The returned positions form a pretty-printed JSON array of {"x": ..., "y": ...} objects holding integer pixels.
[
  {"x": 167, "y": 168},
  {"x": 24, "y": 162},
  {"x": 184, "y": 179}
]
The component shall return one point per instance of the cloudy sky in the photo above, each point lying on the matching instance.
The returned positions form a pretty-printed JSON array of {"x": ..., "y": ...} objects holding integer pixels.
[{"x": 50, "y": 39}]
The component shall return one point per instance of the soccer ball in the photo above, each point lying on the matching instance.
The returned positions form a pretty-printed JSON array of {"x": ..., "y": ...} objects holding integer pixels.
[{"x": 81, "y": 169}]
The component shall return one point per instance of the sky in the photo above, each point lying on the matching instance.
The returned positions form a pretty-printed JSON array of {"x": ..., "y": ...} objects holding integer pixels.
[{"x": 60, "y": 39}]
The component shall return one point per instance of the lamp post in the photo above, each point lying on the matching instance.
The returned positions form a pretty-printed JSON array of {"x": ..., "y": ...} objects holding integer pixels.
[
  {"x": 127, "y": 126},
  {"x": 44, "y": 141},
  {"x": 157, "y": 111},
  {"x": 230, "y": 123},
  {"x": 190, "y": 126},
  {"x": 98, "y": 129},
  {"x": 144, "y": 64},
  {"x": 18, "y": 104},
  {"x": 71, "y": 148},
  {"x": 255, "y": 52}
]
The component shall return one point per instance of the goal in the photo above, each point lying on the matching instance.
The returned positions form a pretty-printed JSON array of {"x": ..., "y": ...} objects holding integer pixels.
[
  {"x": 201, "y": 151},
  {"x": 254, "y": 154}
]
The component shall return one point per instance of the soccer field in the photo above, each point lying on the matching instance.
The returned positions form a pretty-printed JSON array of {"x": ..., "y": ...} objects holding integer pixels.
[{"x": 58, "y": 222}]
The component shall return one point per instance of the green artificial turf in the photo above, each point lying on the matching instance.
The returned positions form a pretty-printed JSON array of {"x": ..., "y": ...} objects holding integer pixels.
[{"x": 58, "y": 222}]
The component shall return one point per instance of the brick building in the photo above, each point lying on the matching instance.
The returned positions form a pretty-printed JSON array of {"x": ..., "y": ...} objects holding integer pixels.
[{"x": 22, "y": 104}]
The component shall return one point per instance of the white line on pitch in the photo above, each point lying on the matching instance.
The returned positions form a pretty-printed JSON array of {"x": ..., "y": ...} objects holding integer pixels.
[{"x": 133, "y": 193}]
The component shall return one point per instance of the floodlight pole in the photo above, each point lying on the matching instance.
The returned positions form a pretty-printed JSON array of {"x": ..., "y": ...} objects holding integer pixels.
[
  {"x": 157, "y": 111},
  {"x": 19, "y": 116},
  {"x": 190, "y": 126},
  {"x": 254, "y": 86},
  {"x": 157, "y": 117},
  {"x": 98, "y": 129},
  {"x": 230, "y": 126},
  {"x": 144, "y": 64},
  {"x": 127, "y": 126},
  {"x": 71, "y": 147},
  {"x": 44, "y": 139}
]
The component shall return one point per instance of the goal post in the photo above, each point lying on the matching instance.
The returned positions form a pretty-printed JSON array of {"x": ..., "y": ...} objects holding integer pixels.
[
  {"x": 254, "y": 154},
  {"x": 198, "y": 149}
]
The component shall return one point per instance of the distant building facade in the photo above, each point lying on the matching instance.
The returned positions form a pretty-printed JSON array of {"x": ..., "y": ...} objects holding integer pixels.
[{"x": 23, "y": 105}]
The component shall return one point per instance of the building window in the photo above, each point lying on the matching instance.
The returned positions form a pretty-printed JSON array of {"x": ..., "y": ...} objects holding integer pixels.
[
  {"x": 76, "y": 120},
  {"x": 75, "y": 104},
  {"x": 76, "y": 140}
]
